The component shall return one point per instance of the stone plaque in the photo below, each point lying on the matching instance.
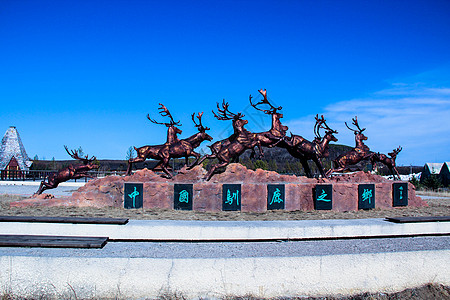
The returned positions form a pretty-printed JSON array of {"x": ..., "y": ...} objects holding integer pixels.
[
  {"x": 366, "y": 196},
  {"x": 275, "y": 196},
  {"x": 231, "y": 197},
  {"x": 400, "y": 194},
  {"x": 133, "y": 195},
  {"x": 323, "y": 197},
  {"x": 182, "y": 196}
]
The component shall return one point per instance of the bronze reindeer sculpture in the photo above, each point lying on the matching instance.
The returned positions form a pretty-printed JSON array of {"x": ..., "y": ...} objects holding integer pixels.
[
  {"x": 159, "y": 152},
  {"x": 71, "y": 172},
  {"x": 387, "y": 161},
  {"x": 354, "y": 156},
  {"x": 305, "y": 150},
  {"x": 232, "y": 147},
  {"x": 172, "y": 130},
  {"x": 277, "y": 132},
  {"x": 175, "y": 149}
]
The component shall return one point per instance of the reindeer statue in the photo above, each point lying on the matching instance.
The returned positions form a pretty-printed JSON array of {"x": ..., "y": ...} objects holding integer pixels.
[
  {"x": 277, "y": 132},
  {"x": 157, "y": 151},
  {"x": 387, "y": 161},
  {"x": 305, "y": 150},
  {"x": 172, "y": 130},
  {"x": 175, "y": 149},
  {"x": 71, "y": 172},
  {"x": 231, "y": 148},
  {"x": 354, "y": 156}
]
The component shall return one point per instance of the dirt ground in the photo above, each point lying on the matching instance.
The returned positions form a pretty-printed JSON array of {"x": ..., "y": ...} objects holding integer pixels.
[{"x": 439, "y": 205}]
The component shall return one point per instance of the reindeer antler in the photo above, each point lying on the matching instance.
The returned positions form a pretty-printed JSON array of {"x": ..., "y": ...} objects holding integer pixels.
[
  {"x": 272, "y": 109},
  {"x": 199, "y": 126},
  {"x": 225, "y": 114},
  {"x": 355, "y": 123},
  {"x": 325, "y": 126},
  {"x": 164, "y": 112},
  {"x": 74, "y": 155},
  {"x": 397, "y": 151},
  {"x": 318, "y": 125}
]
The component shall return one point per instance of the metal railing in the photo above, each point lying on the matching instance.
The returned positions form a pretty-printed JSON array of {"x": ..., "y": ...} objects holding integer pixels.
[{"x": 33, "y": 175}]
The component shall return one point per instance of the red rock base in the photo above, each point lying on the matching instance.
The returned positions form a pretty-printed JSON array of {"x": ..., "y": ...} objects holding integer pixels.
[{"x": 207, "y": 195}]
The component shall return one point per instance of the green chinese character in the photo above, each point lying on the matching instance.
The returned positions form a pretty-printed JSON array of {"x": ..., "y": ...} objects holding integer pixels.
[
  {"x": 133, "y": 196},
  {"x": 322, "y": 197},
  {"x": 231, "y": 197},
  {"x": 367, "y": 195},
  {"x": 184, "y": 196},
  {"x": 276, "y": 197}
]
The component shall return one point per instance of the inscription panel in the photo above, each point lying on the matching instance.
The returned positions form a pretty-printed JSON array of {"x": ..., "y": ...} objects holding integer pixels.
[
  {"x": 182, "y": 196},
  {"x": 400, "y": 194},
  {"x": 133, "y": 195},
  {"x": 366, "y": 196},
  {"x": 275, "y": 196},
  {"x": 323, "y": 197},
  {"x": 231, "y": 197}
]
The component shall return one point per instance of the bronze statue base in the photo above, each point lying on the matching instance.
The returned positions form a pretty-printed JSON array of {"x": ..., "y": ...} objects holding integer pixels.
[{"x": 207, "y": 195}]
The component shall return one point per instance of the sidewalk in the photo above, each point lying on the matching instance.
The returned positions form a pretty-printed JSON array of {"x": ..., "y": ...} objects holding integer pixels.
[
  {"x": 168, "y": 230},
  {"x": 145, "y": 261},
  {"x": 28, "y": 188}
]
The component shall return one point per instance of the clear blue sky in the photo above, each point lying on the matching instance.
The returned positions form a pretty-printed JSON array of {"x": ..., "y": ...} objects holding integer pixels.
[{"x": 86, "y": 73}]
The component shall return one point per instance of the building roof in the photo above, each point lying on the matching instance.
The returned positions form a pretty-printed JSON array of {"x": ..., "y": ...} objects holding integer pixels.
[
  {"x": 434, "y": 168},
  {"x": 446, "y": 164},
  {"x": 12, "y": 147}
]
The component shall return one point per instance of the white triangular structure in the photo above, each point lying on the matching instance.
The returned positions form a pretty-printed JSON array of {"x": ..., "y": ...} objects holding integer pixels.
[{"x": 13, "y": 149}]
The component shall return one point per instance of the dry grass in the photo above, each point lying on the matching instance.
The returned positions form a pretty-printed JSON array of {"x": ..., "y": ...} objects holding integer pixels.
[
  {"x": 433, "y": 193},
  {"x": 429, "y": 291},
  {"x": 437, "y": 207}
]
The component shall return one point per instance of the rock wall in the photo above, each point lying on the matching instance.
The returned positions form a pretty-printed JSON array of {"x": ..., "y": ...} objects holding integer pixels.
[{"x": 207, "y": 195}]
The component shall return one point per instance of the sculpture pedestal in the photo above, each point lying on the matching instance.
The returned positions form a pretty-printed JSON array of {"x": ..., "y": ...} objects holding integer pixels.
[{"x": 254, "y": 194}]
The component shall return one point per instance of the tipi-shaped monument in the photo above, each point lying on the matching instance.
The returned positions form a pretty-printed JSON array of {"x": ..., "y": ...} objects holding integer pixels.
[{"x": 12, "y": 152}]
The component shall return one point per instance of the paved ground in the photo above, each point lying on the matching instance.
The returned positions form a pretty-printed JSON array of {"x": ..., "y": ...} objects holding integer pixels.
[
  {"x": 28, "y": 188},
  {"x": 241, "y": 250}
]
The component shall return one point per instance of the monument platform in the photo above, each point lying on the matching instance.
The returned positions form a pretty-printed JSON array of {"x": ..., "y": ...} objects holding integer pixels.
[{"x": 238, "y": 188}]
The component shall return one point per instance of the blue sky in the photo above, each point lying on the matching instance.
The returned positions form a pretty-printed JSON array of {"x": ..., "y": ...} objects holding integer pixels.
[{"x": 86, "y": 73}]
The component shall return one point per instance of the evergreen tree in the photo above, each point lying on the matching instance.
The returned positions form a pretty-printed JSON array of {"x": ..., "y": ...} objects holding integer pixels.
[
  {"x": 131, "y": 153},
  {"x": 260, "y": 164}
]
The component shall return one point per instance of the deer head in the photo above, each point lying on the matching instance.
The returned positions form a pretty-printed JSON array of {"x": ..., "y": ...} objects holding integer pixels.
[
  {"x": 200, "y": 126},
  {"x": 321, "y": 123},
  {"x": 272, "y": 110},
  {"x": 165, "y": 113},
  {"x": 86, "y": 160},
  {"x": 359, "y": 131},
  {"x": 394, "y": 152}
]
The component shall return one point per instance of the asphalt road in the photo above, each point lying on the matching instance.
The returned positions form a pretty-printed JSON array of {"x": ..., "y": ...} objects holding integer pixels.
[{"x": 242, "y": 250}]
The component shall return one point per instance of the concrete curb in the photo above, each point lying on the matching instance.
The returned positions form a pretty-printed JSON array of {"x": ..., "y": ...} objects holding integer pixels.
[
  {"x": 232, "y": 230},
  {"x": 138, "y": 278}
]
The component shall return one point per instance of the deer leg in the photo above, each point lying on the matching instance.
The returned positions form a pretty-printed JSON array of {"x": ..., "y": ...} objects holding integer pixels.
[
  {"x": 41, "y": 188},
  {"x": 46, "y": 186},
  {"x": 276, "y": 143},
  {"x": 214, "y": 168},
  {"x": 396, "y": 171},
  {"x": 319, "y": 166},
  {"x": 130, "y": 163},
  {"x": 209, "y": 156},
  {"x": 305, "y": 165},
  {"x": 197, "y": 156},
  {"x": 261, "y": 152},
  {"x": 164, "y": 164}
]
